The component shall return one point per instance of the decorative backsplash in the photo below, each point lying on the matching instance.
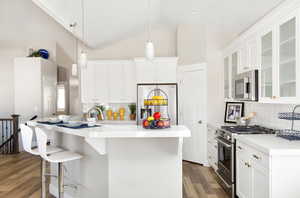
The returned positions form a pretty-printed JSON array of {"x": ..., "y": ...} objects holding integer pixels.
[{"x": 267, "y": 115}]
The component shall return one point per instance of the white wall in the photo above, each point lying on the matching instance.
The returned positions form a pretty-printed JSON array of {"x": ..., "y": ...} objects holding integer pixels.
[
  {"x": 23, "y": 25},
  {"x": 163, "y": 37},
  {"x": 196, "y": 44}
]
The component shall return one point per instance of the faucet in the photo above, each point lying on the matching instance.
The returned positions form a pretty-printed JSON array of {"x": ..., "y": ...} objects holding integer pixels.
[{"x": 95, "y": 112}]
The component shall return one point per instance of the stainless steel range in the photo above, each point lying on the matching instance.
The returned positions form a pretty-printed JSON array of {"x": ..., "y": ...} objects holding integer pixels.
[{"x": 226, "y": 152}]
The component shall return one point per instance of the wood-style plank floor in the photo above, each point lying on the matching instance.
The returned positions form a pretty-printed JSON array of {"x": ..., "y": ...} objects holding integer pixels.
[{"x": 20, "y": 178}]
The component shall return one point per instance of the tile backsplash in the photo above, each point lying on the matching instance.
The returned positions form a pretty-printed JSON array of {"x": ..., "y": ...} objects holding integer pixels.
[{"x": 267, "y": 115}]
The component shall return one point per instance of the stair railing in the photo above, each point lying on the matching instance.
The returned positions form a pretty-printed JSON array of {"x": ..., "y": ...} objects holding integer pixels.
[{"x": 9, "y": 135}]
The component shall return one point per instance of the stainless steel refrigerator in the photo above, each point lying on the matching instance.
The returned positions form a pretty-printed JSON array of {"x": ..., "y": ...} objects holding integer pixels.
[{"x": 168, "y": 101}]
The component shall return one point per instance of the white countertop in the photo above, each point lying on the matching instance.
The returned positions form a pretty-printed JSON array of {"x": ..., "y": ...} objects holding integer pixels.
[
  {"x": 271, "y": 145},
  {"x": 120, "y": 131}
]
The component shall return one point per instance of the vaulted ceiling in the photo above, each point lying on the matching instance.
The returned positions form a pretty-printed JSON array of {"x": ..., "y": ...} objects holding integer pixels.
[{"x": 116, "y": 19}]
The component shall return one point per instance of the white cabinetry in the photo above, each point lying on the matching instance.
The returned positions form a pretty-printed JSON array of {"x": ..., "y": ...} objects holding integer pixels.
[
  {"x": 252, "y": 172},
  {"x": 279, "y": 74},
  {"x": 160, "y": 70},
  {"x": 227, "y": 77},
  {"x": 271, "y": 46},
  {"x": 108, "y": 82},
  {"x": 249, "y": 54},
  {"x": 35, "y": 81},
  {"x": 212, "y": 147}
]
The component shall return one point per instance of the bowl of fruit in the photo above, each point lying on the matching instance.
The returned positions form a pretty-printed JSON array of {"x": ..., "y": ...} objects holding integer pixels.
[{"x": 156, "y": 122}]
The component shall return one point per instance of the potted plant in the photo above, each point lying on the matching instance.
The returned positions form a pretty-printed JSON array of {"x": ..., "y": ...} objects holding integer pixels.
[{"x": 132, "y": 108}]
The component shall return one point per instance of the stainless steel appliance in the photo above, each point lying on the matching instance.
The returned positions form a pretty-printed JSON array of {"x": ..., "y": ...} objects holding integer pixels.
[
  {"x": 143, "y": 111},
  {"x": 226, "y": 153},
  {"x": 246, "y": 86}
]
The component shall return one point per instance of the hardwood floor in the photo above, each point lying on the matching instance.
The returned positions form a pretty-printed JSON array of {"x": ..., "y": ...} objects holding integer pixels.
[
  {"x": 20, "y": 178},
  {"x": 200, "y": 182}
]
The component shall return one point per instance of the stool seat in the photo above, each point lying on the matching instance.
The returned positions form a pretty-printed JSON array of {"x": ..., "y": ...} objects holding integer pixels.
[
  {"x": 63, "y": 156},
  {"x": 50, "y": 150}
]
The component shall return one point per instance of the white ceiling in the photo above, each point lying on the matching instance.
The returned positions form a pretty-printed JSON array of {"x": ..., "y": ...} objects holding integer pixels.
[{"x": 108, "y": 21}]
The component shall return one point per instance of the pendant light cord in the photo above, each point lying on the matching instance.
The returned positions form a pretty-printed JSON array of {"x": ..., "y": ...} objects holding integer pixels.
[
  {"x": 83, "y": 20},
  {"x": 149, "y": 20}
]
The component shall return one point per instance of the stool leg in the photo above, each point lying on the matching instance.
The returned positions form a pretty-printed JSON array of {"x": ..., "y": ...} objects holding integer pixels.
[
  {"x": 43, "y": 177},
  {"x": 60, "y": 181}
]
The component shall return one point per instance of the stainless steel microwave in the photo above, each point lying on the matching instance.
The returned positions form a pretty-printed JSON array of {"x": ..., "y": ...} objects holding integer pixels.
[{"x": 246, "y": 86}]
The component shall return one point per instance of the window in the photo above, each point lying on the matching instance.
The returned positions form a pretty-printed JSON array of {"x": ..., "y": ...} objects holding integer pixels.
[{"x": 61, "y": 98}]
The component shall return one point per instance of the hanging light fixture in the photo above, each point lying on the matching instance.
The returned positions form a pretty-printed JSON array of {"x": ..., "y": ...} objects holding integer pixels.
[
  {"x": 74, "y": 65},
  {"x": 83, "y": 54},
  {"x": 149, "y": 47}
]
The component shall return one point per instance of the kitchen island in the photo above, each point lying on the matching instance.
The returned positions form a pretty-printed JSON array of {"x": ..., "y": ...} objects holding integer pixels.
[{"x": 121, "y": 161}]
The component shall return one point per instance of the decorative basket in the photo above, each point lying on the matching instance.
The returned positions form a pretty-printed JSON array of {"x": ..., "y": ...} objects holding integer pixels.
[
  {"x": 157, "y": 101},
  {"x": 289, "y": 134}
]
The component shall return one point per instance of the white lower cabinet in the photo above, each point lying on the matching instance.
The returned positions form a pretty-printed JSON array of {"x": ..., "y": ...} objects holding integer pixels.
[
  {"x": 252, "y": 172},
  {"x": 260, "y": 181}
]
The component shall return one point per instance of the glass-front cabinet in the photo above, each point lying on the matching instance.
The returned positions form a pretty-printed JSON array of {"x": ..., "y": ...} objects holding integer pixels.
[
  {"x": 287, "y": 58},
  {"x": 234, "y": 70},
  {"x": 226, "y": 78},
  {"x": 279, "y": 73},
  {"x": 266, "y": 72}
]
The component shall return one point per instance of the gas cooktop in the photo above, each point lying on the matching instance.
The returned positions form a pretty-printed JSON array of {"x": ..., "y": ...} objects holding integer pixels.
[{"x": 253, "y": 129}]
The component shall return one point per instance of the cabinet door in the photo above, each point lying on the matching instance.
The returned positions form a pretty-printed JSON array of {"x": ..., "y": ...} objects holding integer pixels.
[
  {"x": 130, "y": 88},
  {"x": 100, "y": 83},
  {"x": 259, "y": 181},
  {"x": 166, "y": 71},
  {"x": 242, "y": 60},
  {"x": 266, "y": 73},
  {"x": 234, "y": 66},
  {"x": 243, "y": 178},
  {"x": 115, "y": 82},
  {"x": 252, "y": 53},
  {"x": 287, "y": 58},
  {"x": 226, "y": 78},
  {"x": 146, "y": 72},
  {"x": 87, "y": 84}
]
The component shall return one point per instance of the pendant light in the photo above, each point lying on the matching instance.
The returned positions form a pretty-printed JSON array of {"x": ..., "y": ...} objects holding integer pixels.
[
  {"x": 83, "y": 54},
  {"x": 149, "y": 47},
  {"x": 74, "y": 71}
]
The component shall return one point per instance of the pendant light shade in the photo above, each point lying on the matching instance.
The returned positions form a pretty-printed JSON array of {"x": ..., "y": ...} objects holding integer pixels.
[
  {"x": 149, "y": 50},
  {"x": 74, "y": 69},
  {"x": 83, "y": 59}
]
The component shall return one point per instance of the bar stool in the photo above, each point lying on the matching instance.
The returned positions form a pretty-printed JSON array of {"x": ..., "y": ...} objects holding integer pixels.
[
  {"x": 59, "y": 158},
  {"x": 27, "y": 134}
]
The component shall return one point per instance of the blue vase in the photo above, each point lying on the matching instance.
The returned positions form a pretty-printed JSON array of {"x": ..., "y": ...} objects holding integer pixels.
[{"x": 44, "y": 53}]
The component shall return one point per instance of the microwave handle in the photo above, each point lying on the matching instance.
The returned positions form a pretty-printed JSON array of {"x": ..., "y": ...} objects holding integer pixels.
[{"x": 246, "y": 87}]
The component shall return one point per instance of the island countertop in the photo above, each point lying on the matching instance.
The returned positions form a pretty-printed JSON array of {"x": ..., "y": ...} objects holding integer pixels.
[{"x": 120, "y": 131}]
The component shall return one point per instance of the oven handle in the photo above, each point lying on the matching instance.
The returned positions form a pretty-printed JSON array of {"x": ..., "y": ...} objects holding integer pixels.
[
  {"x": 223, "y": 180},
  {"x": 224, "y": 143}
]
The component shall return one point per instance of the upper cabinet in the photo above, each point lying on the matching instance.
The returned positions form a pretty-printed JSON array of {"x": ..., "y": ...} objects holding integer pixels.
[
  {"x": 227, "y": 78},
  {"x": 108, "y": 82},
  {"x": 271, "y": 46},
  {"x": 266, "y": 71},
  {"x": 160, "y": 70},
  {"x": 279, "y": 74},
  {"x": 287, "y": 58}
]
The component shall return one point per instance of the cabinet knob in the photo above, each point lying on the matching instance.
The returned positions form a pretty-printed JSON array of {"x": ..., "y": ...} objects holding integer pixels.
[
  {"x": 73, "y": 25},
  {"x": 240, "y": 148},
  {"x": 200, "y": 122},
  {"x": 256, "y": 157}
]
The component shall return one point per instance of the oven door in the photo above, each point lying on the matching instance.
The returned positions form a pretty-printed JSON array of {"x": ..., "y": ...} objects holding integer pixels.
[{"x": 225, "y": 161}]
